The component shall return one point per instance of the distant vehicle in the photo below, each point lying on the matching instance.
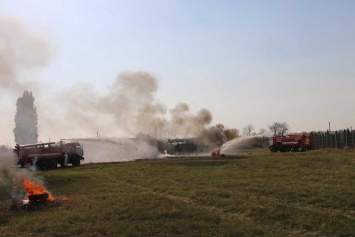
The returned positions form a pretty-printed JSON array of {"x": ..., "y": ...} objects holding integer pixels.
[
  {"x": 48, "y": 155},
  {"x": 291, "y": 142}
]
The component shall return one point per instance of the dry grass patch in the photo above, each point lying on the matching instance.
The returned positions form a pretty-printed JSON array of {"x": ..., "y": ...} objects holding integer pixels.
[{"x": 267, "y": 194}]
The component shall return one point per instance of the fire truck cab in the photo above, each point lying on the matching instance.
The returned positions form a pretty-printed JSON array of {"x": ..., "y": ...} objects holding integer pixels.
[
  {"x": 291, "y": 142},
  {"x": 49, "y": 155}
]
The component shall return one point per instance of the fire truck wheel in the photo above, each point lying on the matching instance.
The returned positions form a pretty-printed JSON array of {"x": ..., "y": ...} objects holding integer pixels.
[
  {"x": 61, "y": 163},
  {"x": 43, "y": 165},
  {"x": 76, "y": 162},
  {"x": 273, "y": 149},
  {"x": 52, "y": 164}
]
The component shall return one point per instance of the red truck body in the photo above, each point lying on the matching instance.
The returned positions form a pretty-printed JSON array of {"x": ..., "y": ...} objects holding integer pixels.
[
  {"x": 49, "y": 155},
  {"x": 291, "y": 142}
]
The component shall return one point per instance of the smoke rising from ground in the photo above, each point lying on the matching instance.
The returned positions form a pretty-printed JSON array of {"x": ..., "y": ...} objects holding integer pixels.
[
  {"x": 11, "y": 177},
  {"x": 130, "y": 107},
  {"x": 20, "y": 52}
]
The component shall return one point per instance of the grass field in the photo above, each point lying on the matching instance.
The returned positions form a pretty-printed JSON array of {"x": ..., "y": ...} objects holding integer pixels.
[{"x": 266, "y": 194}]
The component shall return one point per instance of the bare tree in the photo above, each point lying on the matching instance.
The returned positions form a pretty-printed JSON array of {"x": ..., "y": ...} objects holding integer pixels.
[
  {"x": 279, "y": 128},
  {"x": 262, "y": 132},
  {"x": 247, "y": 130}
]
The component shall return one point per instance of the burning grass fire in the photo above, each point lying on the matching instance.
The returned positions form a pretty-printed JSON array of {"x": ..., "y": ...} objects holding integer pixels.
[
  {"x": 36, "y": 192},
  {"x": 37, "y": 196}
]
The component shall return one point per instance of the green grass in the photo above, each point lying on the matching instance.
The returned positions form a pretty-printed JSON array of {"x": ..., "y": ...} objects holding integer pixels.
[{"x": 266, "y": 194}]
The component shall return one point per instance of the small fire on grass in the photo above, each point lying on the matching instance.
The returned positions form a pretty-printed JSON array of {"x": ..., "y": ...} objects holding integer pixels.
[
  {"x": 36, "y": 192},
  {"x": 37, "y": 196}
]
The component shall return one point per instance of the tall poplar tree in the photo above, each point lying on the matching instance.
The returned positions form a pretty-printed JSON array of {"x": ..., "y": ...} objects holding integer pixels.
[{"x": 26, "y": 118}]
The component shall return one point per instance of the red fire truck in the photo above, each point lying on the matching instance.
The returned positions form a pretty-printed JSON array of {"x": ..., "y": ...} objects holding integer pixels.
[
  {"x": 48, "y": 155},
  {"x": 291, "y": 142}
]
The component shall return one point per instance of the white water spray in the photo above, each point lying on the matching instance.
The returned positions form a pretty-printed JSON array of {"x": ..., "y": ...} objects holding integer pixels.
[
  {"x": 116, "y": 149},
  {"x": 238, "y": 144}
]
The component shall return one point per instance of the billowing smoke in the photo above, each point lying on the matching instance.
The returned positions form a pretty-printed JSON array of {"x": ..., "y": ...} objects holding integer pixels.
[
  {"x": 188, "y": 124},
  {"x": 213, "y": 136},
  {"x": 11, "y": 177},
  {"x": 129, "y": 108},
  {"x": 132, "y": 103},
  {"x": 20, "y": 52}
]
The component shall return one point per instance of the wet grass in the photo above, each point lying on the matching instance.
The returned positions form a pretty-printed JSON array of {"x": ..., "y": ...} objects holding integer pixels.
[{"x": 282, "y": 194}]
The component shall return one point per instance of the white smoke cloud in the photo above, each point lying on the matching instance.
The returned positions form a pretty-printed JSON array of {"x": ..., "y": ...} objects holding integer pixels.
[
  {"x": 129, "y": 108},
  {"x": 11, "y": 177},
  {"x": 20, "y": 52}
]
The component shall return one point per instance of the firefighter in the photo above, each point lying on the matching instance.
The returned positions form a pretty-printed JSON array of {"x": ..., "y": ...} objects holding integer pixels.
[
  {"x": 34, "y": 161},
  {"x": 65, "y": 159}
]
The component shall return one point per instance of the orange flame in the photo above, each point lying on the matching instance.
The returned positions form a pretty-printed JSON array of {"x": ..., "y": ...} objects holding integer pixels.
[{"x": 35, "y": 189}]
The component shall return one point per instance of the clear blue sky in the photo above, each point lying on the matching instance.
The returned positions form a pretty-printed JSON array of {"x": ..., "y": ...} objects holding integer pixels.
[{"x": 248, "y": 62}]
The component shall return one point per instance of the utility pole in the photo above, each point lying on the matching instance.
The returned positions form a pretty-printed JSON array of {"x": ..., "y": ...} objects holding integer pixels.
[
  {"x": 330, "y": 137},
  {"x": 352, "y": 135}
]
